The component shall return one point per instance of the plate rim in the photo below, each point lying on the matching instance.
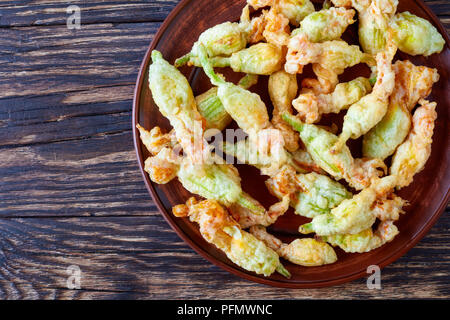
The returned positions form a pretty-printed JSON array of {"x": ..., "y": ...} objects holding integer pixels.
[{"x": 234, "y": 269}]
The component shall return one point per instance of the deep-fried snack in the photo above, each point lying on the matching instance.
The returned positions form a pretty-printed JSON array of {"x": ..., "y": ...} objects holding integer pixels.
[
  {"x": 370, "y": 109},
  {"x": 310, "y": 106},
  {"x": 415, "y": 35},
  {"x": 211, "y": 108},
  {"x": 329, "y": 59},
  {"x": 353, "y": 215},
  {"x": 306, "y": 252},
  {"x": 412, "y": 83},
  {"x": 310, "y": 194},
  {"x": 411, "y": 155},
  {"x": 294, "y": 10},
  {"x": 326, "y": 24},
  {"x": 282, "y": 90},
  {"x": 219, "y": 228},
  {"x": 341, "y": 165},
  {"x": 264, "y": 45},
  {"x": 261, "y": 58},
  {"x": 365, "y": 240}
]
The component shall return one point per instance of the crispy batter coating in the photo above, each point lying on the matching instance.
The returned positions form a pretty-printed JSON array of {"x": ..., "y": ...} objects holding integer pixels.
[
  {"x": 261, "y": 58},
  {"x": 311, "y": 106},
  {"x": 326, "y": 24},
  {"x": 366, "y": 240},
  {"x": 412, "y": 83},
  {"x": 247, "y": 218},
  {"x": 370, "y": 109},
  {"x": 162, "y": 167},
  {"x": 353, "y": 215},
  {"x": 154, "y": 140},
  {"x": 282, "y": 90},
  {"x": 341, "y": 165},
  {"x": 294, "y": 10},
  {"x": 411, "y": 155},
  {"x": 219, "y": 228},
  {"x": 174, "y": 97},
  {"x": 415, "y": 35},
  {"x": 310, "y": 194},
  {"x": 374, "y": 17},
  {"x": 329, "y": 59},
  {"x": 389, "y": 208},
  {"x": 305, "y": 252},
  {"x": 276, "y": 28}
]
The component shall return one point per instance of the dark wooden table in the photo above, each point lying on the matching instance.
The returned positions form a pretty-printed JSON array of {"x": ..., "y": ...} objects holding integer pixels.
[{"x": 71, "y": 193}]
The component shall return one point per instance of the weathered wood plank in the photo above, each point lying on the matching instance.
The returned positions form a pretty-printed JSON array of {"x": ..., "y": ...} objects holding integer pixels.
[
  {"x": 95, "y": 176},
  {"x": 45, "y": 13},
  {"x": 35, "y": 255},
  {"x": 44, "y": 60}
]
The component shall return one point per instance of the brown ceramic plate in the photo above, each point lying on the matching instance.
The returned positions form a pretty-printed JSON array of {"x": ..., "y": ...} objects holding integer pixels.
[{"x": 428, "y": 194}]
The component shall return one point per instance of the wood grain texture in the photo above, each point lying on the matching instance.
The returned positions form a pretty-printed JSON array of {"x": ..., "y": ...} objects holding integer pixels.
[{"x": 71, "y": 192}]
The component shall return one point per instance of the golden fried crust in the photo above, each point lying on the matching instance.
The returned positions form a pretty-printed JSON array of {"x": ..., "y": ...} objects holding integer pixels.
[
  {"x": 282, "y": 90},
  {"x": 220, "y": 229},
  {"x": 412, "y": 83},
  {"x": 163, "y": 167},
  {"x": 154, "y": 140},
  {"x": 305, "y": 252},
  {"x": 411, "y": 155},
  {"x": 276, "y": 30}
]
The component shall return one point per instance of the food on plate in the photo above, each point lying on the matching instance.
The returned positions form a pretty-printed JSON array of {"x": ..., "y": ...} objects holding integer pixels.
[
  {"x": 415, "y": 35},
  {"x": 294, "y": 10},
  {"x": 329, "y": 59},
  {"x": 353, "y": 215},
  {"x": 211, "y": 108},
  {"x": 219, "y": 228},
  {"x": 411, "y": 155},
  {"x": 341, "y": 165},
  {"x": 311, "y": 106},
  {"x": 282, "y": 89},
  {"x": 370, "y": 109},
  {"x": 412, "y": 83},
  {"x": 366, "y": 240},
  {"x": 350, "y": 199},
  {"x": 310, "y": 194},
  {"x": 306, "y": 252},
  {"x": 326, "y": 24}
]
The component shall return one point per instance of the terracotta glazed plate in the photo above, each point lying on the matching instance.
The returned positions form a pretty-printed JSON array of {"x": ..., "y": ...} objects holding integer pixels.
[{"x": 428, "y": 195}]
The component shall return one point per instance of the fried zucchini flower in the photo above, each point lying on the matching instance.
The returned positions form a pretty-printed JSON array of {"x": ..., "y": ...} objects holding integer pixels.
[
  {"x": 310, "y": 194},
  {"x": 173, "y": 96},
  {"x": 353, "y": 215},
  {"x": 311, "y": 106},
  {"x": 374, "y": 17},
  {"x": 411, "y": 155},
  {"x": 341, "y": 165},
  {"x": 261, "y": 58},
  {"x": 366, "y": 240},
  {"x": 370, "y": 109},
  {"x": 412, "y": 83},
  {"x": 329, "y": 59},
  {"x": 211, "y": 108},
  {"x": 219, "y": 228},
  {"x": 415, "y": 35},
  {"x": 304, "y": 252},
  {"x": 326, "y": 24},
  {"x": 282, "y": 91},
  {"x": 245, "y": 107},
  {"x": 221, "y": 40},
  {"x": 276, "y": 27},
  {"x": 294, "y": 10}
]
